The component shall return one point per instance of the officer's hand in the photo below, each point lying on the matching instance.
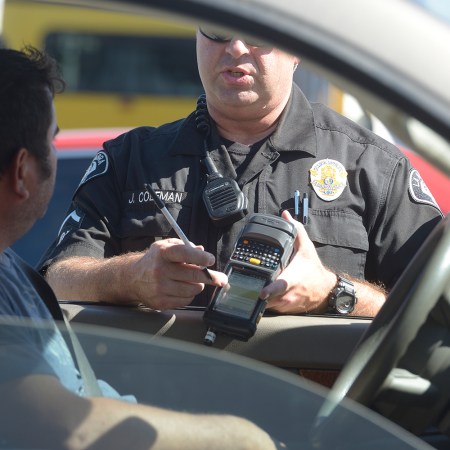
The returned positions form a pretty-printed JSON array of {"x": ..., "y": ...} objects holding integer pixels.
[
  {"x": 305, "y": 284},
  {"x": 169, "y": 274}
]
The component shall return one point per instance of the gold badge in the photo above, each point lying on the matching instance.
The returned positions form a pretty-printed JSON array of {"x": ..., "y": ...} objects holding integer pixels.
[{"x": 328, "y": 178}]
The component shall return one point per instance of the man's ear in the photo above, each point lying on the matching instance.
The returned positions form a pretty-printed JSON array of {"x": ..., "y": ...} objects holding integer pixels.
[{"x": 21, "y": 170}]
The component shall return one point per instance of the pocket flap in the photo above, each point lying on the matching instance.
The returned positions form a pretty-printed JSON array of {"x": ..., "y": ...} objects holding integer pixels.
[{"x": 337, "y": 228}]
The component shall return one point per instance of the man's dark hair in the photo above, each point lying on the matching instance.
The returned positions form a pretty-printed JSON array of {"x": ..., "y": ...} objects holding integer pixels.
[{"x": 27, "y": 78}]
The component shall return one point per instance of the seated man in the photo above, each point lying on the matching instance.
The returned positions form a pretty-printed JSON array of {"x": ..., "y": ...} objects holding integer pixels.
[{"x": 43, "y": 399}]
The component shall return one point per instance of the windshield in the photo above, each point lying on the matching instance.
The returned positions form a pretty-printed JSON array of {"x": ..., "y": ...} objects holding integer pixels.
[{"x": 188, "y": 377}]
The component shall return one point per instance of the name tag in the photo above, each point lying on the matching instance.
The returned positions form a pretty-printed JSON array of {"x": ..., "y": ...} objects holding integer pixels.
[{"x": 142, "y": 199}]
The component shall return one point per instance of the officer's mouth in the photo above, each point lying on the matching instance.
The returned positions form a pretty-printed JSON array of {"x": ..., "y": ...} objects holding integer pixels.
[{"x": 236, "y": 74}]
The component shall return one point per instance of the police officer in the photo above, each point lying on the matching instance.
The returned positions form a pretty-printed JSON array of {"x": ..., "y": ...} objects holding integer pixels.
[{"x": 368, "y": 209}]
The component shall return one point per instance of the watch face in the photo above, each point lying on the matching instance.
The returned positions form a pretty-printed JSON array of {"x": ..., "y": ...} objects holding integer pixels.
[{"x": 344, "y": 303}]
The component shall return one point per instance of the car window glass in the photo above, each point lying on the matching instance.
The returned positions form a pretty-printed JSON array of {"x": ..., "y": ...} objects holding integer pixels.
[{"x": 188, "y": 377}]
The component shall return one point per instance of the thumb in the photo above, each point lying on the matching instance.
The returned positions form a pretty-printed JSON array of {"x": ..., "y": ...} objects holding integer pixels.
[
  {"x": 301, "y": 232},
  {"x": 287, "y": 215}
]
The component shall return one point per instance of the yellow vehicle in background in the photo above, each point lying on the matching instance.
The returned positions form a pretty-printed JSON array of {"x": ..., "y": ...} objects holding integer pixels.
[{"x": 121, "y": 70}]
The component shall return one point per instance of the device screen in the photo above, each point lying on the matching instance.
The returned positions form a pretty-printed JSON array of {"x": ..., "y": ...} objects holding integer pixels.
[{"x": 239, "y": 297}]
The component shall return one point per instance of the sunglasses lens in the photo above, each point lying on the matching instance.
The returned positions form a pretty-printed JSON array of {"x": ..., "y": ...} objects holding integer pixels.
[
  {"x": 215, "y": 36},
  {"x": 221, "y": 38}
]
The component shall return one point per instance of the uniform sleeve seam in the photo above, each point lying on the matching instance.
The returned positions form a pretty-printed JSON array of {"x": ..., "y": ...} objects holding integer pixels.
[{"x": 385, "y": 149}]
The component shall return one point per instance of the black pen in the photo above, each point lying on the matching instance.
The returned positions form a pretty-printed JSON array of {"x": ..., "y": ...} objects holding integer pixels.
[
  {"x": 296, "y": 204},
  {"x": 305, "y": 207},
  {"x": 162, "y": 207}
]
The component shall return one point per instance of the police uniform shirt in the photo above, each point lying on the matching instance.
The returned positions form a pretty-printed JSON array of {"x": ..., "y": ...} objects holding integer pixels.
[{"x": 369, "y": 210}]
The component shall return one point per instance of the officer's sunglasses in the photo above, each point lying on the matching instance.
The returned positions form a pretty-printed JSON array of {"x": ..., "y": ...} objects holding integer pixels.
[{"x": 222, "y": 38}]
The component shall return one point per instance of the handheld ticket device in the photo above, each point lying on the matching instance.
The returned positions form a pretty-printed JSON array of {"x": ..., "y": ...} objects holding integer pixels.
[{"x": 262, "y": 250}]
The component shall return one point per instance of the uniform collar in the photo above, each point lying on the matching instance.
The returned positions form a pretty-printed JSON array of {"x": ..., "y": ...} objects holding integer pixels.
[
  {"x": 188, "y": 141},
  {"x": 296, "y": 130},
  {"x": 297, "y": 120}
]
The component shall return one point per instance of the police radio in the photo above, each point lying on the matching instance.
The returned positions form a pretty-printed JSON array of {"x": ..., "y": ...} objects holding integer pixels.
[
  {"x": 262, "y": 250},
  {"x": 222, "y": 196}
]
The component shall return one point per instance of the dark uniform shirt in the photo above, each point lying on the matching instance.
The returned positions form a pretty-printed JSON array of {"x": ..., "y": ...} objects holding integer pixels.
[{"x": 369, "y": 210}]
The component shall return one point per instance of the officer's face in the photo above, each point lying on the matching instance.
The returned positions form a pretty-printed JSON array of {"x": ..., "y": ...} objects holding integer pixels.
[{"x": 243, "y": 80}]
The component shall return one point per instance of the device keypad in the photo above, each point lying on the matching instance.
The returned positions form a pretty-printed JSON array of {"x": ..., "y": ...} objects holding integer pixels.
[{"x": 257, "y": 253}]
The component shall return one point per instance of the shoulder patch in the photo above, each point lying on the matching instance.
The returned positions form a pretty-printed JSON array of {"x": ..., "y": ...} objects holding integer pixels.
[
  {"x": 98, "y": 166},
  {"x": 419, "y": 190}
]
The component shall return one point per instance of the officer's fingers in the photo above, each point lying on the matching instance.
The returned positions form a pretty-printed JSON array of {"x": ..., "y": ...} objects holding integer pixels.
[
  {"x": 158, "y": 248},
  {"x": 180, "y": 288},
  {"x": 214, "y": 278},
  {"x": 302, "y": 235},
  {"x": 194, "y": 274},
  {"x": 207, "y": 276},
  {"x": 287, "y": 215},
  {"x": 281, "y": 303},
  {"x": 172, "y": 294},
  {"x": 283, "y": 299},
  {"x": 273, "y": 290},
  {"x": 177, "y": 252},
  {"x": 283, "y": 286}
]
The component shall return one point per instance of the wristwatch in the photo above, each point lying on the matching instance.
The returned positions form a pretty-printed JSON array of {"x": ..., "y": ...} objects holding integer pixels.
[{"x": 343, "y": 297}]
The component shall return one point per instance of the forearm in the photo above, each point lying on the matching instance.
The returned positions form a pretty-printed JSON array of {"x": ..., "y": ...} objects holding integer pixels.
[
  {"x": 91, "y": 279},
  {"x": 370, "y": 298},
  {"x": 56, "y": 418},
  {"x": 138, "y": 426},
  {"x": 288, "y": 296}
]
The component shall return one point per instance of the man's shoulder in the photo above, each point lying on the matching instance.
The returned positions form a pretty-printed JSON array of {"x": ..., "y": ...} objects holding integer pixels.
[
  {"x": 146, "y": 134},
  {"x": 328, "y": 120},
  {"x": 12, "y": 277},
  {"x": 13, "y": 267},
  {"x": 7, "y": 260}
]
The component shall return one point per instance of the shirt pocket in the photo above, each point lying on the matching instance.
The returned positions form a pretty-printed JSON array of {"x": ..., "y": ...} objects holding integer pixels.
[{"x": 340, "y": 239}]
